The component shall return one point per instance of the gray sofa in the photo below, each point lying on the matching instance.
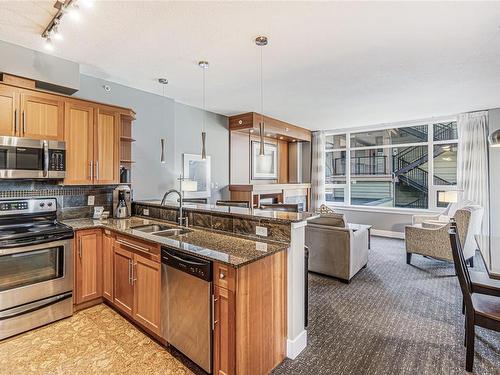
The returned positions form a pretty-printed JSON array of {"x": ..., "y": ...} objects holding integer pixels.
[{"x": 335, "y": 249}]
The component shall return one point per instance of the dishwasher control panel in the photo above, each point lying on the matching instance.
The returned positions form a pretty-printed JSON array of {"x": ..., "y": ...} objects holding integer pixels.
[{"x": 193, "y": 265}]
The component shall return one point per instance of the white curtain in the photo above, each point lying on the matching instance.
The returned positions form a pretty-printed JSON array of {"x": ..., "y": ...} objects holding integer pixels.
[
  {"x": 472, "y": 168},
  {"x": 318, "y": 170}
]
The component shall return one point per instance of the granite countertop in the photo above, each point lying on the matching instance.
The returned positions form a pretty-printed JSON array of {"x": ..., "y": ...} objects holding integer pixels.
[
  {"x": 282, "y": 216},
  {"x": 229, "y": 249}
]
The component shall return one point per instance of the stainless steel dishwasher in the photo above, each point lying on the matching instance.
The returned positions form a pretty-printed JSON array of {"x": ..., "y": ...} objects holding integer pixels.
[{"x": 187, "y": 305}]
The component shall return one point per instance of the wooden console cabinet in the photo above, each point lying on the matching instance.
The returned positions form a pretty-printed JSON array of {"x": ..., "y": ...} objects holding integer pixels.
[{"x": 250, "y": 314}]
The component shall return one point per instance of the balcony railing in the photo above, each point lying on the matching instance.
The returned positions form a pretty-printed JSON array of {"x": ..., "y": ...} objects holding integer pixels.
[{"x": 362, "y": 165}]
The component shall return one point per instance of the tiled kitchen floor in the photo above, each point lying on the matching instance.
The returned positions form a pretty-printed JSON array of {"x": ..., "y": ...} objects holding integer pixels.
[{"x": 93, "y": 341}]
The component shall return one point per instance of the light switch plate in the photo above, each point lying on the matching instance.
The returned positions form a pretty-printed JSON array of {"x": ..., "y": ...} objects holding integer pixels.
[
  {"x": 145, "y": 212},
  {"x": 261, "y": 231},
  {"x": 90, "y": 200}
]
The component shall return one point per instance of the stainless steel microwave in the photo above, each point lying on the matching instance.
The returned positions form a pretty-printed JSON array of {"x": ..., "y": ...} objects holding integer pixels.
[{"x": 32, "y": 158}]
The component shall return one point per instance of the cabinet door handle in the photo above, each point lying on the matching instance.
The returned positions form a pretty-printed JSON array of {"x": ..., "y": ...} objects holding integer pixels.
[
  {"x": 134, "y": 272},
  {"x": 15, "y": 121},
  {"x": 213, "y": 312},
  {"x": 133, "y": 246},
  {"x": 24, "y": 123},
  {"x": 130, "y": 271},
  {"x": 91, "y": 169},
  {"x": 80, "y": 248},
  {"x": 97, "y": 170}
]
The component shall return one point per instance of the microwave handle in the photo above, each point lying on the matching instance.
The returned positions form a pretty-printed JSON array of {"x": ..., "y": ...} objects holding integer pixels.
[{"x": 45, "y": 158}]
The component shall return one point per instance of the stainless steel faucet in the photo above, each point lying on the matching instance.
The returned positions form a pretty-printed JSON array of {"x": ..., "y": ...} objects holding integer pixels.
[{"x": 182, "y": 220}]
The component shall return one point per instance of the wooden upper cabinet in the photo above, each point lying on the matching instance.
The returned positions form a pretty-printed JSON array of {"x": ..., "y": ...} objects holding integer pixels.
[
  {"x": 79, "y": 137},
  {"x": 42, "y": 115},
  {"x": 146, "y": 280},
  {"x": 88, "y": 265},
  {"x": 9, "y": 113},
  {"x": 107, "y": 147}
]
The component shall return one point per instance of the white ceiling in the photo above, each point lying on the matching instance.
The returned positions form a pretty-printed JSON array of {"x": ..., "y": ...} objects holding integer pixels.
[{"x": 328, "y": 64}]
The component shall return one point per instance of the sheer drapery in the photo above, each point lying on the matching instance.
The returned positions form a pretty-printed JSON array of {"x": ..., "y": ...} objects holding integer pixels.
[
  {"x": 318, "y": 170},
  {"x": 472, "y": 168}
]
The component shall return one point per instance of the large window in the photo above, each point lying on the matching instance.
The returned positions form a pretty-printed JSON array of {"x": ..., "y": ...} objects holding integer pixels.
[{"x": 396, "y": 167}]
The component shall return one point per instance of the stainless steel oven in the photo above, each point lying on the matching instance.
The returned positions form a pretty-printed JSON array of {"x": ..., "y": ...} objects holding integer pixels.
[
  {"x": 32, "y": 158},
  {"x": 36, "y": 266}
]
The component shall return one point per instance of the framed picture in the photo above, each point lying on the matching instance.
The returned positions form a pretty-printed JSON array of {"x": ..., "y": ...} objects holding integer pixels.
[
  {"x": 198, "y": 170},
  {"x": 264, "y": 167}
]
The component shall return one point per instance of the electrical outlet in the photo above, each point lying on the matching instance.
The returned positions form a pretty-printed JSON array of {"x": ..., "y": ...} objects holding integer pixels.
[
  {"x": 261, "y": 231},
  {"x": 261, "y": 246},
  {"x": 145, "y": 212},
  {"x": 90, "y": 200}
]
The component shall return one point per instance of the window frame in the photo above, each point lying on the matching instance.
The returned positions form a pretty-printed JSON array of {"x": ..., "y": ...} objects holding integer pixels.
[{"x": 430, "y": 143}]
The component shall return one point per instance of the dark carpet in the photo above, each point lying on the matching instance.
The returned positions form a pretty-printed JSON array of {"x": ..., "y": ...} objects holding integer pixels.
[{"x": 392, "y": 318}]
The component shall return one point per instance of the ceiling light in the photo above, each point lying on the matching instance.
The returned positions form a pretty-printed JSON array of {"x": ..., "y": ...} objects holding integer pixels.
[
  {"x": 203, "y": 65},
  {"x": 72, "y": 10},
  {"x": 87, "y": 3},
  {"x": 48, "y": 44},
  {"x": 261, "y": 41},
  {"x": 56, "y": 34}
]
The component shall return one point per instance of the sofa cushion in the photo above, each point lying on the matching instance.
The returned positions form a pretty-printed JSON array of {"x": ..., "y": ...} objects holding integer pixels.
[{"x": 331, "y": 219}]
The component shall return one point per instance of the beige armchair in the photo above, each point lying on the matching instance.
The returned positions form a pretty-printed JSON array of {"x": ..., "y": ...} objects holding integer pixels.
[
  {"x": 334, "y": 248},
  {"x": 432, "y": 239}
]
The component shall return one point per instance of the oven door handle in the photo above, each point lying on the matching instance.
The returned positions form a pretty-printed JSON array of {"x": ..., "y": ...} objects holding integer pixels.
[
  {"x": 45, "y": 158},
  {"x": 33, "y": 246},
  {"x": 34, "y": 306}
]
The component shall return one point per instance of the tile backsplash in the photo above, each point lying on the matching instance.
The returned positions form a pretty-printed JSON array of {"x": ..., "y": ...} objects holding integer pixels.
[{"x": 71, "y": 200}]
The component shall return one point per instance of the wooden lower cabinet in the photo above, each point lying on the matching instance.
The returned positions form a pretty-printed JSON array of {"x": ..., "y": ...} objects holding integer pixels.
[
  {"x": 146, "y": 280},
  {"x": 88, "y": 265},
  {"x": 224, "y": 332},
  {"x": 111, "y": 266},
  {"x": 123, "y": 288},
  {"x": 107, "y": 265},
  {"x": 251, "y": 319}
]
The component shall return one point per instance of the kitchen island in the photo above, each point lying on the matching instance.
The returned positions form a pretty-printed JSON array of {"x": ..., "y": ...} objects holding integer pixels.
[
  {"x": 253, "y": 308},
  {"x": 280, "y": 226}
]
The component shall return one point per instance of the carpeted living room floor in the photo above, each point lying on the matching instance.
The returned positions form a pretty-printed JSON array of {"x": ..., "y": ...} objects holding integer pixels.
[{"x": 392, "y": 318}]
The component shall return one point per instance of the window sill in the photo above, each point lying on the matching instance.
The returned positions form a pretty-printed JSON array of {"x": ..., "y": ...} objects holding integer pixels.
[{"x": 387, "y": 210}]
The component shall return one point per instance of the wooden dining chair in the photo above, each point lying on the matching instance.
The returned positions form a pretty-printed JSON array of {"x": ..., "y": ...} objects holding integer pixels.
[{"x": 480, "y": 309}]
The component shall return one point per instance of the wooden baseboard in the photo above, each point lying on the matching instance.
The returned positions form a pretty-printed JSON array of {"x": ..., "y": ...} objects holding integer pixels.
[{"x": 86, "y": 305}]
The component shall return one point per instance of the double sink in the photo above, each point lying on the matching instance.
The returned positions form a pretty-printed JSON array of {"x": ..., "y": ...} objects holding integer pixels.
[{"x": 161, "y": 230}]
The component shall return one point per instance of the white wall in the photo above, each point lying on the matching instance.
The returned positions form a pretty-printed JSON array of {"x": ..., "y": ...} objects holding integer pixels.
[{"x": 161, "y": 117}]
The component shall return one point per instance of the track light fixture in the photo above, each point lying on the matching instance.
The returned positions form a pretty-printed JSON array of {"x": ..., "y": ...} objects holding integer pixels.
[{"x": 70, "y": 7}]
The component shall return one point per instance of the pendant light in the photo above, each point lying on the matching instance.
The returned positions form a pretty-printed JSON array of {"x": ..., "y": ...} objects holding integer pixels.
[
  {"x": 261, "y": 41},
  {"x": 203, "y": 65},
  {"x": 163, "y": 82}
]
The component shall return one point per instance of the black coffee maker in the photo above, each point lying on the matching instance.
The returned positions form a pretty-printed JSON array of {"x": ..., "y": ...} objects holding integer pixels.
[{"x": 121, "y": 202}]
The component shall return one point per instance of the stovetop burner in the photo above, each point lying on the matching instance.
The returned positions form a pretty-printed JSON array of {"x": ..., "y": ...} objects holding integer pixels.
[{"x": 27, "y": 221}]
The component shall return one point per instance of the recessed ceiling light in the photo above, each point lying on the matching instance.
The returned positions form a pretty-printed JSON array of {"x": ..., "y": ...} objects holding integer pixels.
[{"x": 163, "y": 81}]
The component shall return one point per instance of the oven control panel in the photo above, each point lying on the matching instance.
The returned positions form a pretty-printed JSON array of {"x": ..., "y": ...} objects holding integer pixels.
[{"x": 27, "y": 206}]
